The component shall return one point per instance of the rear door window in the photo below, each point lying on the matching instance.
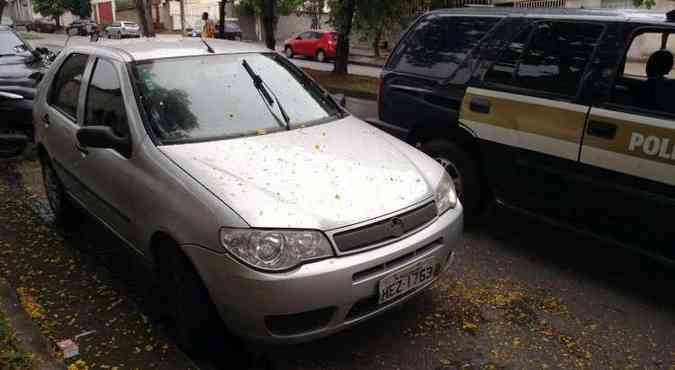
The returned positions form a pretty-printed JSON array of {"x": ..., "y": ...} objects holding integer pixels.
[
  {"x": 550, "y": 58},
  {"x": 65, "y": 90},
  {"x": 439, "y": 44}
]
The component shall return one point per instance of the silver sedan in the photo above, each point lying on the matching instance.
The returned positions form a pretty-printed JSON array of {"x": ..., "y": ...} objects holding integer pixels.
[{"x": 251, "y": 193}]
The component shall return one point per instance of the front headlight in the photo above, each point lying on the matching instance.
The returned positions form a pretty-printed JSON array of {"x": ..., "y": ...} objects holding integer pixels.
[
  {"x": 275, "y": 250},
  {"x": 446, "y": 197}
]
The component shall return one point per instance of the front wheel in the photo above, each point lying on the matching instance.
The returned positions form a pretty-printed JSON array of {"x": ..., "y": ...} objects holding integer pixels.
[
  {"x": 197, "y": 323},
  {"x": 289, "y": 52},
  {"x": 463, "y": 169},
  {"x": 321, "y": 56}
]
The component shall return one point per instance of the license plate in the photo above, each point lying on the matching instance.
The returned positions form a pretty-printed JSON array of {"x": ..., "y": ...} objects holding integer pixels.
[{"x": 402, "y": 282}]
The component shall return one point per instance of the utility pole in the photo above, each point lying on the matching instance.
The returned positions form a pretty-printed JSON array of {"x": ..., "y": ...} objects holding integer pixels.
[
  {"x": 182, "y": 17},
  {"x": 221, "y": 22}
]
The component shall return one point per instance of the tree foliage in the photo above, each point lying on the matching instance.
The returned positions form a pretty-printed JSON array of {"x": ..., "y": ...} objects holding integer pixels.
[
  {"x": 644, "y": 3},
  {"x": 81, "y": 8},
  {"x": 374, "y": 18},
  {"x": 51, "y": 8}
]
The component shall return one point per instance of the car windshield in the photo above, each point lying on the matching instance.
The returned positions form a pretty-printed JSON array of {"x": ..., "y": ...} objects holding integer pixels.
[
  {"x": 213, "y": 97},
  {"x": 10, "y": 44}
]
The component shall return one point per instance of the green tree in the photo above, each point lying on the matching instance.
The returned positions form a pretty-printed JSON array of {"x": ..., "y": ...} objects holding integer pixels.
[
  {"x": 81, "y": 8},
  {"x": 644, "y": 3},
  {"x": 51, "y": 8},
  {"x": 269, "y": 10},
  {"x": 342, "y": 18},
  {"x": 374, "y": 18}
]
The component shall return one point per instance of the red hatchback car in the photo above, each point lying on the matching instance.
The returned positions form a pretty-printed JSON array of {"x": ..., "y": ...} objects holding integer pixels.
[{"x": 320, "y": 45}]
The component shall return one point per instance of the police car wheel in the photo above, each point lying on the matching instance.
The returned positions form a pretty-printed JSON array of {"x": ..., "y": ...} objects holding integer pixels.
[{"x": 463, "y": 170}]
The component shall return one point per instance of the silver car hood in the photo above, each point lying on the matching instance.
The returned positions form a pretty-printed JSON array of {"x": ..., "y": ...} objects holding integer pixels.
[{"x": 320, "y": 177}]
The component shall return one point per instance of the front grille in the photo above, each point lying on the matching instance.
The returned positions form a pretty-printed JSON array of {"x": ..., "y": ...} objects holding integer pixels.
[
  {"x": 388, "y": 229},
  {"x": 300, "y": 322}
]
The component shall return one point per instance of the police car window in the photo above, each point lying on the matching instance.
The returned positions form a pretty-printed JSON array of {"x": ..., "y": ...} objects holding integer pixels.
[
  {"x": 504, "y": 70},
  {"x": 648, "y": 78},
  {"x": 65, "y": 90},
  {"x": 439, "y": 44},
  {"x": 553, "y": 61},
  {"x": 105, "y": 104}
]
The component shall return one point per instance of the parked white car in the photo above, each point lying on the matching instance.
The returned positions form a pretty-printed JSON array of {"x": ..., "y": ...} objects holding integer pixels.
[{"x": 123, "y": 29}]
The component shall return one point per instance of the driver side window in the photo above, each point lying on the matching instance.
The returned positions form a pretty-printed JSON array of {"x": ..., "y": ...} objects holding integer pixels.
[{"x": 105, "y": 104}]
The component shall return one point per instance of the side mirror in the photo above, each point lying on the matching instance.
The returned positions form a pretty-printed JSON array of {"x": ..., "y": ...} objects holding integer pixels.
[
  {"x": 105, "y": 138},
  {"x": 298, "y": 38},
  {"x": 341, "y": 99}
]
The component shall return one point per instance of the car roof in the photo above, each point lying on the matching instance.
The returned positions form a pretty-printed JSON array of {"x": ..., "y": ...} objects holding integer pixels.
[
  {"x": 626, "y": 15},
  {"x": 161, "y": 47}
]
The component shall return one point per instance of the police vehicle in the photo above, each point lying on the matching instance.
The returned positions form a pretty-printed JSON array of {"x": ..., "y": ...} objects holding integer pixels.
[{"x": 567, "y": 114}]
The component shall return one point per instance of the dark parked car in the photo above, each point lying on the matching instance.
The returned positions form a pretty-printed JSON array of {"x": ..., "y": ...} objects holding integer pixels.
[
  {"x": 82, "y": 27},
  {"x": 566, "y": 114},
  {"x": 40, "y": 26},
  {"x": 21, "y": 69}
]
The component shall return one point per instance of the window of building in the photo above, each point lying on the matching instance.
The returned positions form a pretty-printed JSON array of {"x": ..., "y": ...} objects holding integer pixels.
[
  {"x": 552, "y": 62},
  {"x": 67, "y": 83},
  {"x": 105, "y": 104}
]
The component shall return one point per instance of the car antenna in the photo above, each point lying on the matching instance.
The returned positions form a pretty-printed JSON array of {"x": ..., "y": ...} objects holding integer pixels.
[{"x": 208, "y": 47}]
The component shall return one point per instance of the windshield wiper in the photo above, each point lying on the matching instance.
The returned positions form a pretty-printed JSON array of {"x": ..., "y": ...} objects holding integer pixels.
[{"x": 267, "y": 94}]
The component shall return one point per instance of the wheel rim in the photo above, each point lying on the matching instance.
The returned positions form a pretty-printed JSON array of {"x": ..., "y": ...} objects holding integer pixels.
[
  {"x": 454, "y": 173},
  {"x": 321, "y": 56},
  {"x": 53, "y": 188},
  {"x": 289, "y": 52}
]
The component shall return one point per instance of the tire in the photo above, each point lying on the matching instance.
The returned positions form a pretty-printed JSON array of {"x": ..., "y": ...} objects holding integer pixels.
[
  {"x": 320, "y": 56},
  {"x": 13, "y": 143},
  {"x": 463, "y": 169},
  {"x": 65, "y": 212},
  {"x": 197, "y": 324},
  {"x": 289, "y": 52}
]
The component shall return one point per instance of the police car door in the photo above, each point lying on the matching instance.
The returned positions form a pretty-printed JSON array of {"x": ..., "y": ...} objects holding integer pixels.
[
  {"x": 527, "y": 110},
  {"x": 630, "y": 144}
]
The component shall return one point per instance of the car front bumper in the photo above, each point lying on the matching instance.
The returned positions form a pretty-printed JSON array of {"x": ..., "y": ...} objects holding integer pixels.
[{"x": 320, "y": 298}]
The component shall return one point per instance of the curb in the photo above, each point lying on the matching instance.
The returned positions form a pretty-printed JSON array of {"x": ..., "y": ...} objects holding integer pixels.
[
  {"x": 27, "y": 331},
  {"x": 353, "y": 94}
]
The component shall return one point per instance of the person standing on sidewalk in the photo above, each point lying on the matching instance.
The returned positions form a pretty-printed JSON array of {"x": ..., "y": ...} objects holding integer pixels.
[{"x": 209, "y": 28}]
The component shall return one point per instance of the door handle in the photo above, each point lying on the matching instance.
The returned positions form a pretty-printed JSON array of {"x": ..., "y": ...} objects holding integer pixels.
[
  {"x": 480, "y": 105},
  {"x": 600, "y": 129},
  {"x": 45, "y": 120}
]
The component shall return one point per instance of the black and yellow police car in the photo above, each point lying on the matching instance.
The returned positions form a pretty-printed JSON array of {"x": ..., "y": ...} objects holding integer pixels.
[{"x": 567, "y": 114}]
